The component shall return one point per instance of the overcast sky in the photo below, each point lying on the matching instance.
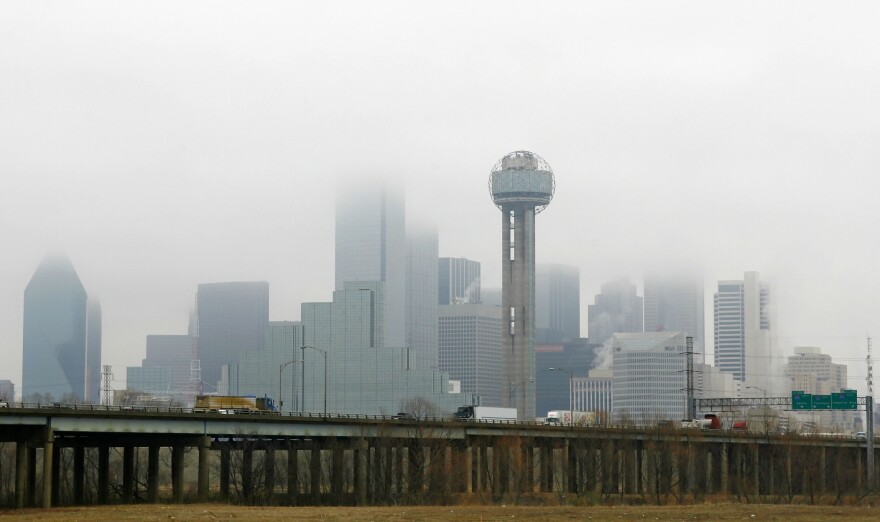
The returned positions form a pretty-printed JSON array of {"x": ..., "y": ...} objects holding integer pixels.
[{"x": 166, "y": 144}]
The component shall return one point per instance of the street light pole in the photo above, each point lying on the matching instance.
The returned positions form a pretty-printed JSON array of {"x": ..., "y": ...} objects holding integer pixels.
[
  {"x": 570, "y": 389},
  {"x": 763, "y": 407},
  {"x": 324, "y": 353},
  {"x": 281, "y": 369}
]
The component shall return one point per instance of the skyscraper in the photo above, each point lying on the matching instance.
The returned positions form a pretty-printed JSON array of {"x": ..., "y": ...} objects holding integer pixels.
[
  {"x": 742, "y": 331},
  {"x": 557, "y": 304},
  {"x": 232, "y": 318},
  {"x": 470, "y": 350},
  {"x": 617, "y": 309},
  {"x": 56, "y": 332},
  {"x": 93, "y": 352},
  {"x": 422, "y": 244},
  {"x": 459, "y": 280},
  {"x": 521, "y": 186},
  {"x": 674, "y": 302},
  {"x": 371, "y": 246}
]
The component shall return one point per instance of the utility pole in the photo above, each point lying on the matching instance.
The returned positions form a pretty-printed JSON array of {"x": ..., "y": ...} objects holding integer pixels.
[
  {"x": 869, "y": 421},
  {"x": 106, "y": 389},
  {"x": 691, "y": 399}
]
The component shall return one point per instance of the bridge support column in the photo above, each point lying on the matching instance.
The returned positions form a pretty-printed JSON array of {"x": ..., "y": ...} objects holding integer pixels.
[
  {"x": 204, "y": 475},
  {"x": 79, "y": 471},
  {"x": 21, "y": 469},
  {"x": 360, "y": 460},
  {"x": 756, "y": 469},
  {"x": 32, "y": 477},
  {"x": 127, "y": 474},
  {"x": 822, "y": 470},
  {"x": 247, "y": 473},
  {"x": 269, "y": 478},
  {"x": 788, "y": 476},
  {"x": 56, "y": 475},
  {"x": 177, "y": 473},
  {"x": 859, "y": 471},
  {"x": 153, "y": 474},
  {"x": 631, "y": 462},
  {"x": 103, "y": 474},
  {"x": 724, "y": 462},
  {"x": 710, "y": 471},
  {"x": 48, "y": 453},
  {"x": 336, "y": 476},
  {"x": 315, "y": 472},
  {"x": 225, "y": 458},
  {"x": 292, "y": 475},
  {"x": 567, "y": 482},
  {"x": 468, "y": 468}
]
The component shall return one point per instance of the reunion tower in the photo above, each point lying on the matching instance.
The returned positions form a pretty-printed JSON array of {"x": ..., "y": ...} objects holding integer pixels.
[{"x": 521, "y": 185}]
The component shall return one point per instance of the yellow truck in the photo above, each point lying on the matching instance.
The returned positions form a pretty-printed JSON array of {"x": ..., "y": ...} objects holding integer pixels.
[{"x": 233, "y": 404}]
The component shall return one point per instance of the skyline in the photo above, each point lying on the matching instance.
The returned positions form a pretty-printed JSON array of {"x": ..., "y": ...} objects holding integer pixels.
[{"x": 162, "y": 153}]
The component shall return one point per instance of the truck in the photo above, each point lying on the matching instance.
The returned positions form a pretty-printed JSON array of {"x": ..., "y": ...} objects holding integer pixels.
[
  {"x": 233, "y": 404},
  {"x": 484, "y": 413},
  {"x": 570, "y": 418},
  {"x": 710, "y": 421}
]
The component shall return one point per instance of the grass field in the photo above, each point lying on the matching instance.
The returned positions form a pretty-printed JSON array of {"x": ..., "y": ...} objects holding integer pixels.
[{"x": 708, "y": 512}]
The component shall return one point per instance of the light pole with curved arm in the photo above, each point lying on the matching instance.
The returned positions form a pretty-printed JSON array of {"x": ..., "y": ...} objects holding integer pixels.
[
  {"x": 281, "y": 368},
  {"x": 324, "y": 353},
  {"x": 570, "y": 387}
]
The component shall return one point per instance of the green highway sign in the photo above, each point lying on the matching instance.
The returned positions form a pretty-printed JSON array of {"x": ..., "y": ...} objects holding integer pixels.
[
  {"x": 821, "y": 402},
  {"x": 801, "y": 400},
  {"x": 845, "y": 400}
]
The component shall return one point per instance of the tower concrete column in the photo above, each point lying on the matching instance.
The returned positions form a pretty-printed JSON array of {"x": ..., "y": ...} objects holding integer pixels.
[{"x": 521, "y": 185}]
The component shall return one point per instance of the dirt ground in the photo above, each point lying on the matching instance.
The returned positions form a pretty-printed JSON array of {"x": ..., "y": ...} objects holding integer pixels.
[{"x": 201, "y": 512}]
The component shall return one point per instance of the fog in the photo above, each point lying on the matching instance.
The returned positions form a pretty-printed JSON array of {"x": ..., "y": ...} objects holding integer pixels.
[{"x": 165, "y": 144}]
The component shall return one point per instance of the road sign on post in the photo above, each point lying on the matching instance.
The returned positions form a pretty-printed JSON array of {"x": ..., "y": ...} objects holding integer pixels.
[
  {"x": 801, "y": 400},
  {"x": 821, "y": 402},
  {"x": 845, "y": 400}
]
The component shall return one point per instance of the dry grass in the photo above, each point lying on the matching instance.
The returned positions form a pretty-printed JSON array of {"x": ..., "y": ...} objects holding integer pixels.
[{"x": 200, "y": 512}]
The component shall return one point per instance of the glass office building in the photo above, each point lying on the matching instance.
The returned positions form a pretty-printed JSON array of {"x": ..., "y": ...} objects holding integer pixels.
[{"x": 55, "y": 332}]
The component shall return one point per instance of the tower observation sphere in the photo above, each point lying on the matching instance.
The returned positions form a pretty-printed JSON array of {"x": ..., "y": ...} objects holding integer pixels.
[
  {"x": 522, "y": 177},
  {"x": 521, "y": 185}
]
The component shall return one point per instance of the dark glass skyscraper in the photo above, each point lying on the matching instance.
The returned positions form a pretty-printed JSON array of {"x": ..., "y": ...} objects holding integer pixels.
[
  {"x": 557, "y": 304},
  {"x": 232, "y": 318},
  {"x": 56, "y": 333}
]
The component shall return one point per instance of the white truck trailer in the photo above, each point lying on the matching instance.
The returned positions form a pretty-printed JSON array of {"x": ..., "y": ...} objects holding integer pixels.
[
  {"x": 569, "y": 418},
  {"x": 485, "y": 413}
]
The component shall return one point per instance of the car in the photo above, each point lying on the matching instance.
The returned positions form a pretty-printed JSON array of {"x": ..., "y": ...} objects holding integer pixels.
[
  {"x": 404, "y": 416},
  {"x": 4, "y": 404},
  {"x": 861, "y": 435}
]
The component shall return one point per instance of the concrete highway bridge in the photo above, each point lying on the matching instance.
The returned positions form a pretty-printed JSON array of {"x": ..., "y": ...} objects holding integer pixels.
[{"x": 361, "y": 460}]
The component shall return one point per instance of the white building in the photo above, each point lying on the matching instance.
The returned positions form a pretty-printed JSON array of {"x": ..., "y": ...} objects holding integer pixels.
[
  {"x": 594, "y": 393},
  {"x": 742, "y": 334},
  {"x": 649, "y": 376},
  {"x": 811, "y": 371}
]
